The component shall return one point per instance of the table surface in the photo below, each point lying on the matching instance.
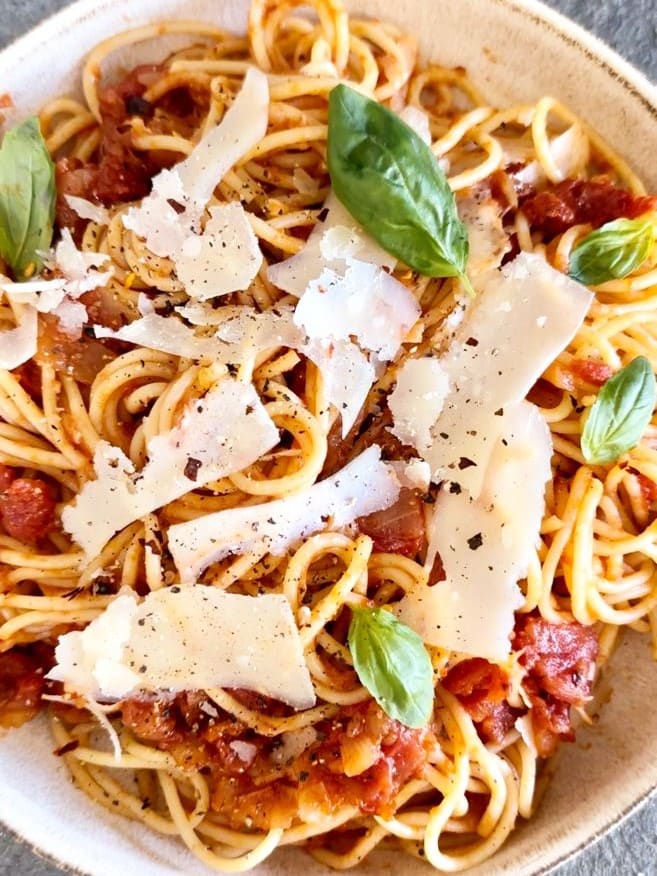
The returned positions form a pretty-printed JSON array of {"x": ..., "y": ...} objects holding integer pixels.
[{"x": 630, "y": 27}]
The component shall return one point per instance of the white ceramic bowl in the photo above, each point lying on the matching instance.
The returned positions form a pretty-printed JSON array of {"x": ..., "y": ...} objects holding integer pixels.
[{"x": 530, "y": 51}]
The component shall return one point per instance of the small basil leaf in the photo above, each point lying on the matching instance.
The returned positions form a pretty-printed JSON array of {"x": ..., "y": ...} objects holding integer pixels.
[
  {"x": 620, "y": 414},
  {"x": 389, "y": 180},
  {"x": 27, "y": 198},
  {"x": 612, "y": 252},
  {"x": 393, "y": 664}
]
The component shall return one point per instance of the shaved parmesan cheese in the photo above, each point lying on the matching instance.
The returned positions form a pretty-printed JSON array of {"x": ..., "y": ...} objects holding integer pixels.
[
  {"x": 224, "y": 259},
  {"x": 485, "y": 545},
  {"x": 44, "y": 295},
  {"x": 260, "y": 331},
  {"x": 157, "y": 221},
  {"x": 221, "y": 433},
  {"x": 78, "y": 266},
  {"x": 72, "y": 315},
  {"x": 304, "y": 182},
  {"x": 202, "y": 313},
  {"x": 240, "y": 130},
  {"x": 417, "y": 474},
  {"x": 19, "y": 344},
  {"x": 418, "y": 120},
  {"x": 331, "y": 242},
  {"x": 166, "y": 334},
  {"x": 245, "y": 333},
  {"x": 515, "y": 480},
  {"x": 213, "y": 639},
  {"x": 525, "y": 728},
  {"x": 523, "y": 317},
  {"x": 570, "y": 155},
  {"x": 417, "y": 400},
  {"x": 246, "y": 751},
  {"x": 87, "y": 210},
  {"x": 366, "y": 303},
  {"x": 59, "y": 296},
  {"x": 346, "y": 371},
  {"x": 347, "y": 376},
  {"x": 79, "y": 276},
  {"x": 363, "y": 486},
  {"x": 488, "y": 241},
  {"x": 191, "y": 182}
]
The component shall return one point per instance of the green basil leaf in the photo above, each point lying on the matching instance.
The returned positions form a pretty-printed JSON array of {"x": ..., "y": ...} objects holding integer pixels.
[
  {"x": 27, "y": 198},
  {"x": 612, "y": 252},
  {"x": 393, "y": 664},
  {"x": 389, "y": 180},
  {"x": 620, "y": 414}
]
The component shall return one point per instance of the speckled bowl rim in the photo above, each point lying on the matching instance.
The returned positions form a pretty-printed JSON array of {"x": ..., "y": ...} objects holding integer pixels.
[{"x": 637, "y": 88}]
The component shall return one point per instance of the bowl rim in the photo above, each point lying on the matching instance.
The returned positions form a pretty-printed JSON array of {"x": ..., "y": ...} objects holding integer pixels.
[{"x": 637, "y": 85}]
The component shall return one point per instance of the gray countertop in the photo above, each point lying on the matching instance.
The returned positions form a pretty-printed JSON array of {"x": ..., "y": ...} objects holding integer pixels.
[{"x": 630, "y": 27}]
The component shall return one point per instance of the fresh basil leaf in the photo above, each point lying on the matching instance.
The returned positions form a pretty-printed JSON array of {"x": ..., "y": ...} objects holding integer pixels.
[
  {"x": 612, "y": 252},
  {"x": 27, "y": 198},
  {"x": 620, "y": 414},
  {"x": 390, "y": 181},
  {"x": 393, "y": 664}
]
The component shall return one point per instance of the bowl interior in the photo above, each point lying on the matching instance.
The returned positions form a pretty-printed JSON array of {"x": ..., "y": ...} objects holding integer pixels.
[{"x": 545, "y": 55}]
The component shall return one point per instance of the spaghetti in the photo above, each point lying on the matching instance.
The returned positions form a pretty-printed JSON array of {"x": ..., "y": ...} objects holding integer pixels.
[{"x": 234, "y": 774}]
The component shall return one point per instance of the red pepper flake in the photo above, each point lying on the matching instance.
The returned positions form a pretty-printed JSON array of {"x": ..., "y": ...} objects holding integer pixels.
[
  {"x": 475, "y": 541},
  {"x": 192, "y": 467}
]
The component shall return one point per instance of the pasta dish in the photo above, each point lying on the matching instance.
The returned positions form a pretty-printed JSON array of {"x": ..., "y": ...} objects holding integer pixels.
[{"x": 328, "y": 460}]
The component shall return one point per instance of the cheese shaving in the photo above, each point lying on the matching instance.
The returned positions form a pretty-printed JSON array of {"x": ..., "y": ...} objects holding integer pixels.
[
  {"x": 331, "y": 242},
  {"x": 166, "y": 334},
  {"x": 219, "y": 434},
  {"x": 346, "y": 372},
  {"x": 485, "y": 545},
  {"x": 347, "y": 375},
  {"x": 191, "y": 183},
  {"x": 224, "y": 257},
  {"x": 366, "y": 303},
  {"x": 79, "y": 275},
  {"x": 87, "y": 210},
  {"x": 363, "y": 486},
  {"x": 488, "y": 241},
  {"x": 213, "y": 639},
  {"x": 19, "y": 344},
  {"x": 570, "y": 154},
  {"x": 241, "y": 335},
  {"x": 523, "y": 317},
  {"x": 417, "y": 400},
  {"x": 418, "y": 121}
]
